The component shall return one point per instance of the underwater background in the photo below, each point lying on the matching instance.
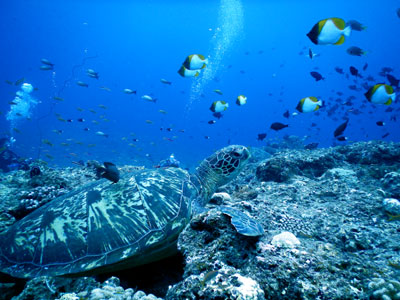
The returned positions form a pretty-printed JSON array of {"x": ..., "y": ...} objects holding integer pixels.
[{"x": 255, "y": 48}]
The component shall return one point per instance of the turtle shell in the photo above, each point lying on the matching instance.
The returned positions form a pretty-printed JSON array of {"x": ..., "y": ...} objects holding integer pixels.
[{"x": 102, "y": 227}]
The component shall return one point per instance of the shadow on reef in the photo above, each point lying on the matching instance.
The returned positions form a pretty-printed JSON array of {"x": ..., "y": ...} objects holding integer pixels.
[
  {"x": 10, "y": 286},
  {"x": 152, "y": 278}
]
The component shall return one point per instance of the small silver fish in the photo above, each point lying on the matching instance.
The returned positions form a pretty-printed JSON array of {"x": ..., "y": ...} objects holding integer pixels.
[
  {"x": 100, "y": 133},
  {"x": 149, "y": 98},
  {"x": 81, "y": 83},
  {"x": 46, "y": 68},
  {"x": 46, "y": 62},
  {"x": 129, "y": 91},
  {"x": 165, "y": 81}
]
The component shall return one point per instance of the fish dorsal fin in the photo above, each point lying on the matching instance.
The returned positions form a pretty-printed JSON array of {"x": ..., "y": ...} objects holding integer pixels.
[
  {"x": 340, "y": 41},
  {"x": 201, "y": 56},
  {"x": 313, "y": 99},
  {"x": 373, "y": 90},
  {"x": 339, "y": 23},
  {"x": 389, "y": 89}
]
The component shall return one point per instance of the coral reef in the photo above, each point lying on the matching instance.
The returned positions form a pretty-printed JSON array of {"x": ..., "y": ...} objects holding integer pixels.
[
  {"x": 391, "y": 184},
  {"x": 337, "y": 202}
]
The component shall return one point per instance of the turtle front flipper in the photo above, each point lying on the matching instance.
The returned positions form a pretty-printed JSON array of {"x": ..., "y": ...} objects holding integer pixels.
[{"x": 243, "y": 224}]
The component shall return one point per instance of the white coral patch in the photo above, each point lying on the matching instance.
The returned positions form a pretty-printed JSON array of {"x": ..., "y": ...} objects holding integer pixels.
[
  {"x": 221, "y": 197},
  {"x": 248, "y": 290},
  {"x": 391, "y": 206},
  {"x": 285, "y": 239}
]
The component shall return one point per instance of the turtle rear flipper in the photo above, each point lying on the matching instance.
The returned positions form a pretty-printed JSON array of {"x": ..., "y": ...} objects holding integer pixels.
[{"x": 243, "y": 224}]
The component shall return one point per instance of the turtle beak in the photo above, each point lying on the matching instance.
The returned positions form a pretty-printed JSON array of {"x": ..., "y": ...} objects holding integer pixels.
[
  {"x": 246, "y": 153},
  {"x": 241, "y": 153}
]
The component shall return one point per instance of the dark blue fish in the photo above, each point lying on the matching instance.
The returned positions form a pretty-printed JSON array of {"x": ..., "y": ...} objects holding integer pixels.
[
  {"x": 311, "y": 146},
  {"x": 278, "y": 126},
  {"x": 393, "y": 80},
  {"x": 354, "y": 71},
  {"x": 261, "y": 136},
  {"x": 218, "y": 115},
  {"x": 109, "y": 171},
  {"x": 355, "y": 25},
  {"x": 35, "y": 171},
  {"x": 317, "y": 76},
  {"x": 286, "y": 114},
  {"x": 339, "y": 70},
  {"x": 340, "y": 129}
]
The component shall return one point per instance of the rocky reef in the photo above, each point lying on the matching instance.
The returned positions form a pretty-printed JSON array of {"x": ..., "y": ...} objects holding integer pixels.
[{"x": 331, "y": 219}]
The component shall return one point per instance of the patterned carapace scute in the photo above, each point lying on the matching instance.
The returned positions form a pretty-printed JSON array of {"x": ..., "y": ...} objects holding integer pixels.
[{"x": 101, "y": 226}]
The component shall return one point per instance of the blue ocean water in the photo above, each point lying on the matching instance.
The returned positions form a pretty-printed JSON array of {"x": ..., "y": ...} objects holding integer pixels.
[{"x": 255, "y": 48}]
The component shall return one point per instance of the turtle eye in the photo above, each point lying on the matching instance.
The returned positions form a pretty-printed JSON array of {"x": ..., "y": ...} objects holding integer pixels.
[{"x": 236, "y": 154}]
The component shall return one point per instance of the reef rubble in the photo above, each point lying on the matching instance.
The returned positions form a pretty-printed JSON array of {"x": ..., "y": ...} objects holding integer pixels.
[{"x": 337, "y": 207}]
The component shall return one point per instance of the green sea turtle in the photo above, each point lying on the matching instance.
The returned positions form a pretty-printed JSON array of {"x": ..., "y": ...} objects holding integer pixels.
[{"x": 106, "y": 226}]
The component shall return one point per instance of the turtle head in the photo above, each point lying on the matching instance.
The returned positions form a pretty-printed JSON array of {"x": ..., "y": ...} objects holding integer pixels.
[
  {"x": 228, "y": 162},
  {"x": 221, "y": 167}
]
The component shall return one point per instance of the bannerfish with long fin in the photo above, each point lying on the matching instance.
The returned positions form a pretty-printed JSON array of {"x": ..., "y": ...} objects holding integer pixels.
[
  {"x": 219, "y": 106},
  {"x": 184, "y": 72},
  {"x": 195, "y": 62},
  {"x": 308, "y": 104},
  {"x": 241, "y": 100},
  {"x": 331, "y": 31},
  {"x": 381, "y": 94}
]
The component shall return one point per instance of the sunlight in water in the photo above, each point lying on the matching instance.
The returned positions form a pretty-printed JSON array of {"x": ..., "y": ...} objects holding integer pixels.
[{"x": 230, "y": 27}]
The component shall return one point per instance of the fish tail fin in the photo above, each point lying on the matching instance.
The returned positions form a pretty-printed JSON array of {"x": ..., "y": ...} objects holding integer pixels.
[{"x": 347, "y": 31}]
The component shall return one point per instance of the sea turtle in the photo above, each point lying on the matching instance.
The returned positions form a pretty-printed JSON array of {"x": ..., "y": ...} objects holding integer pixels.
[{"x": 107, "y": 226}]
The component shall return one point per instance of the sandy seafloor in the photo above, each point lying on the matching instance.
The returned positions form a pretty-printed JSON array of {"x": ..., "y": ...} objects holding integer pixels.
[{"x": 334, "y": 200}]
